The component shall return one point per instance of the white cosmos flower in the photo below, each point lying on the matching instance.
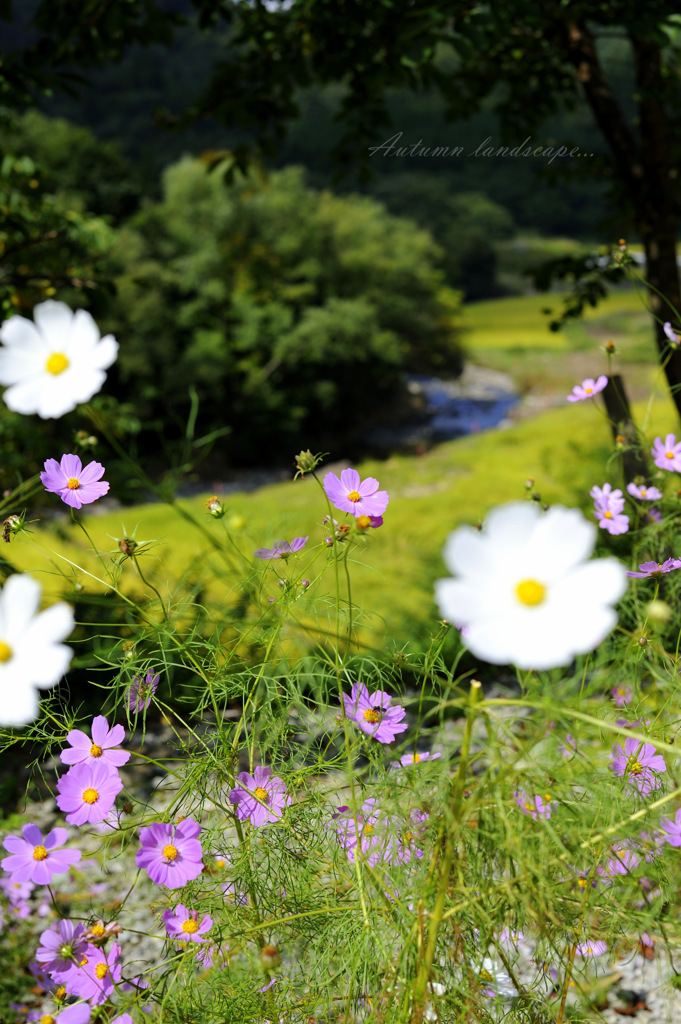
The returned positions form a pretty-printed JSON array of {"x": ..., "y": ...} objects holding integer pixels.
[
  {"x": 31, "y": 652},
  {"x": 53, "y": 362},
  {"x": 524, "y": 590}
]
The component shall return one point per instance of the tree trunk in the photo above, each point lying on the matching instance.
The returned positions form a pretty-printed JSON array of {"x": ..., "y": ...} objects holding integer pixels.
[
  {"x": 659, "y": 240},
  {"x": 632, "y": 456}
]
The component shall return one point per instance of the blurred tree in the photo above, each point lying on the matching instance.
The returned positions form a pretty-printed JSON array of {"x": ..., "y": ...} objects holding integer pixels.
[{"x": 292, "y": 313}]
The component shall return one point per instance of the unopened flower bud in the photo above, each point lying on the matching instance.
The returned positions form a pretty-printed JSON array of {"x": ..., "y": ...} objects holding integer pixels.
[
  {"x": 127, "y": 545},
  {"x": 659, "y": 612},
  {"x": 215, "y": 507},
  {"x": 11, "y": 525},
  {"x": 269, "y": 957},
  {"x": 642, "y": 641},
  {"x": 610, "y": 347},
  {"x": 306, "y": 462},
  {"x": 622, "y": 243},
  {"x": 305, "y": 584},
  {"x": 529, "y": 483},
  {"x": 620, "y": 440}
]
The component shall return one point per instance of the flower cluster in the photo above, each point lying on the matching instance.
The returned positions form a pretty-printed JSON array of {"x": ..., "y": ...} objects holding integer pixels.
[
  {"x": 378, "y": 837},
  {"x": 89, "y": 789}
]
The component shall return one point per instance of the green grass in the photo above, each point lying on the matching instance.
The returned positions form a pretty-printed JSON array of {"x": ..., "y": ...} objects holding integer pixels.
[
  {"x": 518, "y": 322},
  {"x": 565, "y": 451}
]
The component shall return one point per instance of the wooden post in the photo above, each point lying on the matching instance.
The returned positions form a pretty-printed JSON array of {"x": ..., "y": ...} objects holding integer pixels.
[{"x": 632, "y": 455}]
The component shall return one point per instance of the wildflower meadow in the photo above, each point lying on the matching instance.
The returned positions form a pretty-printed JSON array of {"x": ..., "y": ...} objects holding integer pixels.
[{"x": 484, "y": 829}]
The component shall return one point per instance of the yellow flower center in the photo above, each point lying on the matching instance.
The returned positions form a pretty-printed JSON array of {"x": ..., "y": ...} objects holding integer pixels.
[
  {"x": 83, "y": 962},
  {"x": 368, "y": 829},
  {"x": 363, "y": 521},
  {"x": 39, "y": 853},
  {"x": 354, "y": 496},
  {"x": 407, "y": 837},
  {"x": 61, "y": 992},
  {"x": 101, "y": 971},
  {"x": 56, "y": 363},
  {"x": 588, "y": 390},
  {"x": 95, "y": 750},
  {"x": 97, "y": 930},
  {"x": 90, "y": 795},
  {"x": 416, "y": 757},
  {"x": 530, "y": 807},
  {"x": 581, "y": 882},
  {"x": 607, "y": 515},
  {"x": 261, "y": 794},
  {"x": 643, "y": 493},
  {"x": 219, "y": 863},
  {"x": 371, "y": 715},
  {"x": 485, "y": 975},
  {"x": 190, "y": 927},
  {"x": 635, "y": 767},
  {"x": 670, "y": 455},
  {"x": 170, "y": 852},
  {"x": 530, "y": 592},
  {"x": 5, "y": 651},
  {"x": 73, "y": 483},
  {"x": 46, "y": 1019}
]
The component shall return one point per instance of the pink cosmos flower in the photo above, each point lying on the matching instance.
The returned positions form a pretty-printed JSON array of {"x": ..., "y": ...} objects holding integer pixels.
[
  {"x": 138, "y": 697},
  {"x": 671, "y": 335},
  {"x": 61, "y": 948},
  {"x": 74, "y": 485},
  {"x": 404, "y": 847},
  {"x": 591, "y": 948},
  {"x": 373, "y": 714},
  {"x": 415, "y": 758},
  {"x": 653, "y": 516},
  {"x": 96, "y": 975},
  {"x": 644, "y": 493},
  {"x": 101, "y": 749},
  {"x": 606, "y": 497},
  {"x": 77, "y": 1013},
  {"x": 281, "y": 548},
  {"x": 587, "y": 389},
  {"x": 568, "y": 748},
  {"x": 667, "y": 455},
  {"x": 609, "y": 504},
  {"x": 35, "y": 859},
  {"x": 171, "y": 854},
  {"x": 655, "y": 569},
  {"x": 183, "y": 924},
  {"x": 351, "y": 494},
  {"x": 672, "y": 829},
  {"x": 534, "y": 806},
  {"x": 261, "y": 797},
  {"x": 88, "y": 792},
  {"x": 624, "y": 861},
  {"x": 639, "y": 764}
]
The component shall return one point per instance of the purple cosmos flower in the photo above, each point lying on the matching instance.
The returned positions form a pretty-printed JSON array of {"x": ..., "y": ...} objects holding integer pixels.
[
  {"x": 281, "y": 548},
  {"x": 78, "y": 1013},
  {"x": 61, "y": 948},
  {"x": 624, "y": 861},
  {"x": 96, "y": 974},
  {"x": 261, "y": 797},
  {"x": 606, "y": 497},
  {"x": 35, "y": 859},
  {"x": 414, "y": 758},
  {"x": 622, "y": 695},
  {"x": 587, "y": 389},
  {"x": 667, "y": 455},
  {"x": 88, "y": 792},
  {"x": 653, "y": 516},
  {"x": 351, "y": 494},
  {"x": 591, "y": 948},
  {"x": 183, "y": 924},
  {"x": 360, "y": 830},
  {"x": 74, "y": 485},
  {"x": 650, "y": 844},
  {"x": 138, "y": 697},
  {"x": 534, "y": 806},
  {"x": 614, "y": 522},
  {"x": 671, "y": 335},
  {"x": 648, "y": 569},
  {"x": 672, "y": 829},
  {"x": 368, "y": 522},
  {"x": 373, "y": 714},
  {"x": 404, "y": 848},
  {"x": 15, "y": 891},
  {"x": 639, "y": 764},
  {"x": 171, "y": 854},
  {"x": 568, "y": 748},
  {"x": 101, "y": 749},
  {"x": 644, "y": 493}
]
